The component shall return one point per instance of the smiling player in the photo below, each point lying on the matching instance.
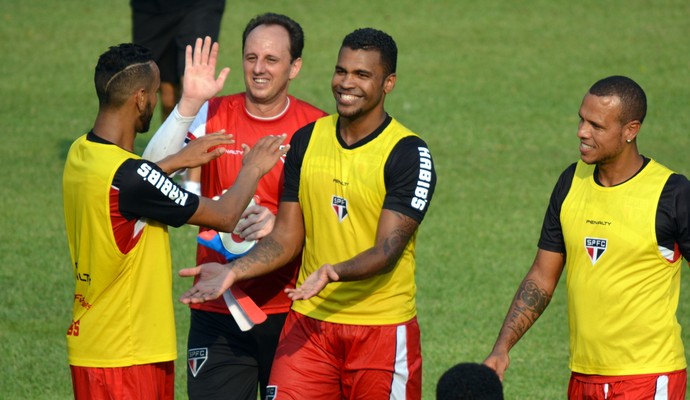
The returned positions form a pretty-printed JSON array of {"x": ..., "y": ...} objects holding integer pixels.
[
  {"x": 233, "y": 360},
  {"x": 357, "y": 185},
  {"x": 618, "y": 222}
]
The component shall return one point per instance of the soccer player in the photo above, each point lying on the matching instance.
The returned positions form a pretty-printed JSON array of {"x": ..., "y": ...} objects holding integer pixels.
[
  {"x": 224, "y": 361},
  {"x": 121, "y": 342},
  {"x": 357, "y": 186},
  {"x": 620, "y": 223}
]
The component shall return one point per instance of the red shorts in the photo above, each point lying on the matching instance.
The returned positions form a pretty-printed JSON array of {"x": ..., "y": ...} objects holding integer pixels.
[
  {"x": 336, "y": 361},
  {"x": 146, "y": 381},
  {"x": 667, "y": 386}
]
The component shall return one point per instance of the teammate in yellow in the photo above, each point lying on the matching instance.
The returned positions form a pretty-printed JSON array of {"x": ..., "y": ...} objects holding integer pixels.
[
  {"x": 121, "y": 342},
  {"x": 618, "y": 222},
  {"x": 357, "y": 186}
]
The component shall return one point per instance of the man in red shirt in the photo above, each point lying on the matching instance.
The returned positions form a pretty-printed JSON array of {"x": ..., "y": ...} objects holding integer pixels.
[{"x": 224, "y": 361}]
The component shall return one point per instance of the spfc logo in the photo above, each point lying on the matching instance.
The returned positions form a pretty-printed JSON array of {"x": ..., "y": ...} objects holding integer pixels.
[
  {"x": 196, "y": 359},
  {"x": 595, "y": 248},
  {"x": 271, "y": 392},
  {"x": 339, "y": 205}
]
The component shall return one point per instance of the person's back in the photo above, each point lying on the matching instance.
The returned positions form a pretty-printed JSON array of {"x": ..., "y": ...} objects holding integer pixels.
[
  {"x": 106, "y": 269},
  {"x": 117, "y": 206}
]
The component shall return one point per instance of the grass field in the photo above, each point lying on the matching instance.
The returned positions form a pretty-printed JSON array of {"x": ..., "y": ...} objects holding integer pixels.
[{"x": 493, "y": 86}]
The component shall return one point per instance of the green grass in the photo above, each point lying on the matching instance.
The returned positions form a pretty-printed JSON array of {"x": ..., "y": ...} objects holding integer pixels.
[{"x": 493, "y": 86}]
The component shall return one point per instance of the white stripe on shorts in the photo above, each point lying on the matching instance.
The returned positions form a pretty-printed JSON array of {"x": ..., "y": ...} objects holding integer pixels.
[
  {"x": 401, "y": 374},
  {"x": 661, "y": 388}
]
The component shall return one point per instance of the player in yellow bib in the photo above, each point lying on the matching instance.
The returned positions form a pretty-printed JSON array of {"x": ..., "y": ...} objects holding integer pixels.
[
  {"x": 357, "y": 186},
  {"x": 618, "y": 223},
  {"x": 121, "y": 341}
]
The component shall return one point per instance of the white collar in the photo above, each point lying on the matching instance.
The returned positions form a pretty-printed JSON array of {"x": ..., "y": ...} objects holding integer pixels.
[{"x": 280, "y": 114}]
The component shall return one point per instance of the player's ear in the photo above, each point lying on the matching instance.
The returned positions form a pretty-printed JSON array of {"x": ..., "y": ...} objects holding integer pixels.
[
  {"x": 631, "y": 129},
  {"x": 295, "y": 67},
  {"x": 389, "y": 83},
  {"x": 140, "y": 96}
]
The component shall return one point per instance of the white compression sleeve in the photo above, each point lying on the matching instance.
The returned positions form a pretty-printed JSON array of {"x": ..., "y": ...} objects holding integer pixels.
[{"x": 169, "y": 139}]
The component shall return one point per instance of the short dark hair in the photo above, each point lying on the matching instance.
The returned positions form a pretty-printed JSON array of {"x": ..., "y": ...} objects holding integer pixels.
[
  {"x": 120, "y": 71},
  {"x": 469, "y": 381},
  {"x": 633, "y": 98},
  {"x": 294, "y": 31},
  {"x": 374, "y": 39}
]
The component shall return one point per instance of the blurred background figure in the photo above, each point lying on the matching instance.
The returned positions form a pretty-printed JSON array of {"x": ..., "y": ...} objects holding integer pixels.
[
  {"x": 469, "y": 381},
  {"x": 166, "y": 27}
]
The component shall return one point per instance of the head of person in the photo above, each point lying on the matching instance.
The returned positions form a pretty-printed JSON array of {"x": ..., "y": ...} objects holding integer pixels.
[
  {"x": 271, "y": 56},
  {"x": 127, "y": 76},
  {"x": 364, "y": 73},
  {"x": 611, "y": 115},
  {"x": 469, "y": 381}
]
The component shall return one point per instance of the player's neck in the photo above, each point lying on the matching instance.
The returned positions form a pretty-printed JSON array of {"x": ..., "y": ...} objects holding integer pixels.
[
  {"x": 615, "y": 173},
  {"x": 352, "y": 130},
  {"x": 267, "y": 111},
  {"x": 109, "y": 126}
]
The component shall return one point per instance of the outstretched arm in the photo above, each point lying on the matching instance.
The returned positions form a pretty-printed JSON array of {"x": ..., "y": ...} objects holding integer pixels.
[
  {"x": 199, "y": 85},
  {"x": 197, "y": 153},
  {"x": 530, "y": 301},
  {"x": 275, "y": 250},
  {"x": 394, "y": 232}
]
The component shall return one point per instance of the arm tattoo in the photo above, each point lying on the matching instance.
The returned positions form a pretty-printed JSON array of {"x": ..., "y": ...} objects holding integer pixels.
[
  {"x": 265, "y": 253},
  {"x": 392, "y": 246},
  {"x": 529, "y": 303},
  {"x": 395, "y": 243}
]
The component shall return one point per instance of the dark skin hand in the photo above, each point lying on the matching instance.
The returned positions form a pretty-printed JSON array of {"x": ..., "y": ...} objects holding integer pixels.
[
  {"x": 530, "y": 301},
  {"x": 197, "y": 152}
]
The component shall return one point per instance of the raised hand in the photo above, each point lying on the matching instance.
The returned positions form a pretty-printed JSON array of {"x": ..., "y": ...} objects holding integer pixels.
[{"x": 199, "y": 83}]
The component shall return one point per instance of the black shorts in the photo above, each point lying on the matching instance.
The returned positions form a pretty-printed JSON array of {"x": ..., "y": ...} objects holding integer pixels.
[
  {"x": 168, "y": 34},
  {"x": 225, "y": 363}
]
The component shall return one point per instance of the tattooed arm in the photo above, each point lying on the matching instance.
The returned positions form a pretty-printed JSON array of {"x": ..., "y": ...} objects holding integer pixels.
[
  {"x": 530, "y": 301},
  {"x": 393, "y": 233},
  {"x": 272, "y": 252}
]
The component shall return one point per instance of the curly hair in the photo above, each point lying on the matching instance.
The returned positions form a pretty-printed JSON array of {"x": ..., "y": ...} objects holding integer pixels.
[
  {"x": 120, "y": 71},
  {"x": 469, "y": 381}
]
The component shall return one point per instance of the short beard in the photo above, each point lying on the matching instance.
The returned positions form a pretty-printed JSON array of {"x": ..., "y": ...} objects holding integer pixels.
[
  {"x": 146, "y": 117},
  {"x": 350, "y": 114}
]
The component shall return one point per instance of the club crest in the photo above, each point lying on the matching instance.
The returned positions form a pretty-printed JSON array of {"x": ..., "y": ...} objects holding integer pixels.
[
  {"x": 596, "y": 248},
  {"x": 339, "y": 205},
  {"x": 196, "y": 358},
  {"x": 271, "y": 392}
]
